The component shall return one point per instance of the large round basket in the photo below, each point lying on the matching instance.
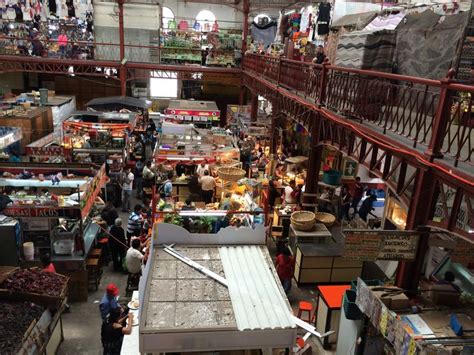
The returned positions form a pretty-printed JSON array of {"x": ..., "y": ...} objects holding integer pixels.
[
  {"x": 303, "y": 220},
  {"x": 326, "y": 218},
  {"x": 231, "y": 174}
]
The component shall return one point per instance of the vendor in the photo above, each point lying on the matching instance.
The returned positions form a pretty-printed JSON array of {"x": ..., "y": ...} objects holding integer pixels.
[
  {"x": 279, "y": 171},
  {"x": 188, "y": 206},
  {"x": 194, "y": 187},
  {"x": 200, "y": 169},
  {"x": 289, "y": 193},
  {"x": 180, "y": 169}
]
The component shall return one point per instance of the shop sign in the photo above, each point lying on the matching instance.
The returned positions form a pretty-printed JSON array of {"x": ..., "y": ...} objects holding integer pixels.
[
  {"x": 45, "y": 151},
  {"x": 41, "y": 212},
  {"x": 370, "y": 245},
  {"x": 192, "y": 113}
]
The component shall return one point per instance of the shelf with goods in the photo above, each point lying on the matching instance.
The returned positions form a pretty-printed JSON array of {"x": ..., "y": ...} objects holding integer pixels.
[{"x": 186, "y": 45}]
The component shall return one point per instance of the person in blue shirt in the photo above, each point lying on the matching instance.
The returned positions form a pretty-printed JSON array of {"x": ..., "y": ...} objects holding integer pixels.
[
  {"x": 14, "y": 158},
  {"x": 168, "y": 186},
  {"x": 109, "y": 301}
]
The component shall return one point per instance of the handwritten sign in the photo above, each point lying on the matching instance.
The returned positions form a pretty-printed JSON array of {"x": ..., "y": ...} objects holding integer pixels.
[{"x": 369, "y": 245}]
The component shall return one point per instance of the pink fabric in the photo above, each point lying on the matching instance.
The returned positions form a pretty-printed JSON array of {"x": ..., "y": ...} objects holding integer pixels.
[{"x": 62, "y": 40}]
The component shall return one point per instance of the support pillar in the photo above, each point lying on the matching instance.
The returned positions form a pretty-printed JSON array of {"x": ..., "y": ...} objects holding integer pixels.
[
  {"x": 123, "y": 69},
  {"x": 419, "y": 212},
  {"x": 254, "y": 107},
  {"x": 245, "y": 30},
  {"x": 315, "y": 157},
  {"x": 274, "y": 118}
]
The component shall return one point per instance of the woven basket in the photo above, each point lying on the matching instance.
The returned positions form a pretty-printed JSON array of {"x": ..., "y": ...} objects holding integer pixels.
[
  {"x": 231, "y": 174},
  {"x": 326, "y": 218},
  {"x": 303, "y": 220}
]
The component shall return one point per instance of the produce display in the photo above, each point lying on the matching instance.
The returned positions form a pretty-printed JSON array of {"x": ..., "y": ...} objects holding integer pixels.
[
  {"x": 35, "y": 281},
  {"x": 15, "y": 319}
]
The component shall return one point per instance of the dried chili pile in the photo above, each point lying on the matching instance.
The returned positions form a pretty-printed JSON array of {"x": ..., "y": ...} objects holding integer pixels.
[
  {"x": 34, "y": 281},
  {"x": 15, "y": 318}
]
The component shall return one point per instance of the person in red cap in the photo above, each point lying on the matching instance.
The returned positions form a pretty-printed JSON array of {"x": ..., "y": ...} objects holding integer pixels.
[{"x": 109, "y": 301}]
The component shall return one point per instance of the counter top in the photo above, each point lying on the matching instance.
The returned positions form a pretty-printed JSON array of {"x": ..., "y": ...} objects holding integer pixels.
[
  {"x": 89, "y": 234},
  {"x": 320, "y": 230},
  {"x": 313, "y": 249},
  {"x": 130, "y": 345}
]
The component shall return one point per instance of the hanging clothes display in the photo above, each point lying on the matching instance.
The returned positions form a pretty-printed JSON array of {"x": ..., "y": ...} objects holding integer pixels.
[
  {"x": 305, "y": 20},
  {"x": 324, "y": 17},
  {"x": 278, "y": 36}
]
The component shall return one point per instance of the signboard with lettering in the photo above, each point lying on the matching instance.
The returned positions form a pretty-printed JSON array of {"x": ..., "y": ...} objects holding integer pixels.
[
  {"x": 42, "y": 212},
  {"x": 370, "y": 245}
]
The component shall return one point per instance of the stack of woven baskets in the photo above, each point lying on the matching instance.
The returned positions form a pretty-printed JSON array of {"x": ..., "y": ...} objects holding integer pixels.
[
  {"x": 326, "y": 218},
  {"x": 231, "y": 174},
  {"x": 303, "y": 220}
]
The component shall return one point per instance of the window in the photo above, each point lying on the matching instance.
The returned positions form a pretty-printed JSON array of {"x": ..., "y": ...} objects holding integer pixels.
[
  {"x": 206, "y": 19},
  {"x": 165, "y": 84},
  {"x": 167, "y": 15}
]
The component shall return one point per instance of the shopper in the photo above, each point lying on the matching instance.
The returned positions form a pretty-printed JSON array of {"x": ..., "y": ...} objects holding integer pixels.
[
  {"x": 320, "y": 56},
  {"x": 289, "y": 193},
  {"x": 117, "y": 244},
  {"x": 109, "y": 301},
  {"x": 345, "y": 203},
  {"x": 200, "y": 169},
  {"x": 46, "y": 262},
  {"x": 284, "y": 265},
  {"x": 62, "y": 43},
  {"x": 113, "y": 330},
  {"x": 367, "y": 206},
  {"x": 109, "y": 214},
  {"x": 167, "y": 187},
  {"x": 208, "y": 184},
  {"x": 148, "y": 175},
  {"x": 194, "y": 187},
  {"x": 36, "y": 44},
  {"x": 139, "y": 166},
  {"x": 204, "y": 54},
  {"x": 127, "y": 188},
  {"x": 358, "y": 194},
  {"x": 272, "y": 194},
  {"x": 134, "y": 258},
  {"x": 135, "y": 221}
]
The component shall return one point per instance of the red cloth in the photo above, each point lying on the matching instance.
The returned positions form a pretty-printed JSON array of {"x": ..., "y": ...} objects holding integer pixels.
[
  {"x": 49, "y": 268},
  {"x": 284, "y": 266}
]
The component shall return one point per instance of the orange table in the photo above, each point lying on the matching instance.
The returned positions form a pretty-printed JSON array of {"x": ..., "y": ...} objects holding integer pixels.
[{"x": 329, "y": 311}]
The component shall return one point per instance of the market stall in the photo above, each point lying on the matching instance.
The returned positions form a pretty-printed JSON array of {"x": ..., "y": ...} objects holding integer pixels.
[
  {"x": 35, "y": 122},
  {"x": 31, "y": 305},
  {"x": 9, "y": 141},
  {"x": 201, "y": 113},
  {"x": 47, "y": 150},
  {"x": 97, "y": 143},
  {"x": 172, "y": 291},
  {"x": 53, "y": 204}
]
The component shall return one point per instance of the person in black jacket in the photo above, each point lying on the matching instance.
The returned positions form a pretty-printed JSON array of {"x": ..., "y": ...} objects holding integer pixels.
[
  {"x": 117, "y": 244},
  {"x": 272, "y": 194},
  {"x": 367, "y": 207},
  {"x": 109, "y": 213}
]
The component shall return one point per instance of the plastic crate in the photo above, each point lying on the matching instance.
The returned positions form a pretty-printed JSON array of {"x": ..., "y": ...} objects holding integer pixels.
[
  {"x": 351, "y": 310},
  {"x": 332, "y": 177}
]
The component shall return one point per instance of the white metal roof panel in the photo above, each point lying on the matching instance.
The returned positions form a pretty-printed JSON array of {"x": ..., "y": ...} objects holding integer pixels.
[{"x": 258, "y": 301}]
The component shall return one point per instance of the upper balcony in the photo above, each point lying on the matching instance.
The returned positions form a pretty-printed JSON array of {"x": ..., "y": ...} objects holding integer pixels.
[{"x": 435, "y": 117}]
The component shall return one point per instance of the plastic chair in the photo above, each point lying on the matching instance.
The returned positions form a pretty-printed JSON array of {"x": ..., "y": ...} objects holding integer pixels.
[{"x": 305, "y": 308}]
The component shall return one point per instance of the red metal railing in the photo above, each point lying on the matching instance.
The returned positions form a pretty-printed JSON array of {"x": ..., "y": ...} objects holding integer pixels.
[{"x": 436, "y": 115}]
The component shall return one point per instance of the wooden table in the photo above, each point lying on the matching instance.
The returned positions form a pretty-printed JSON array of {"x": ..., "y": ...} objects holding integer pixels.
[{"x": 329, "y": 311}]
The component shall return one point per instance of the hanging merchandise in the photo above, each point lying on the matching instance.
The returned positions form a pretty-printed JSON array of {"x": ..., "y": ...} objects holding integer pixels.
[
  {"x": 183, "y": 25},
  {"x": 172, "y": 24},
  {"x": 197, "y": 26},
  {"x": 215, "y": 27},
  {"x": 278, "y": 36},
  {"x": 324, "y": 17},
  {"x": 305, "y": 20}
]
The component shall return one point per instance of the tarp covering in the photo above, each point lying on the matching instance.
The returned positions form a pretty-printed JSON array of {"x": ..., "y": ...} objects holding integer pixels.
[
  {"x": 427, "y": 43},
  {"x": 112, "y": 103},
  {"x": 357, "y": 21},
  {"x": 385, "y": 22}
]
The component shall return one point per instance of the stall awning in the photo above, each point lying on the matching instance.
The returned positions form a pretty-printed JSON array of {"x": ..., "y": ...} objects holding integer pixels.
[
  {"x": 117, "y": 103},
  {"x": 359, "y": 21}
]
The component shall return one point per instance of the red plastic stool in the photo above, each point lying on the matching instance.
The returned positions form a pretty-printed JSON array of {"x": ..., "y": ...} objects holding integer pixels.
[
  {"x": 300, "y": 342},
  {"x": 305, "y": 307}
]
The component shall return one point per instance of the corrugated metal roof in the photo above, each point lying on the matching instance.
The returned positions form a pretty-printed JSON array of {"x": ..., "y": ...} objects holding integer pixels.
[{"x": 257, "y": 300}]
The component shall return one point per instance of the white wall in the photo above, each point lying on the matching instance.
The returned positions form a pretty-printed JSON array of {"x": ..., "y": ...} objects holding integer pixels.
[
  {"x": 139, "y": 16},
  {"x": 227, "y": 17}
]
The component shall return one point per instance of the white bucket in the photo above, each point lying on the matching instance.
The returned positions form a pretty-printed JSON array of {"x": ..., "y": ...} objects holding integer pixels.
[{"x": 29, "y": 250}]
